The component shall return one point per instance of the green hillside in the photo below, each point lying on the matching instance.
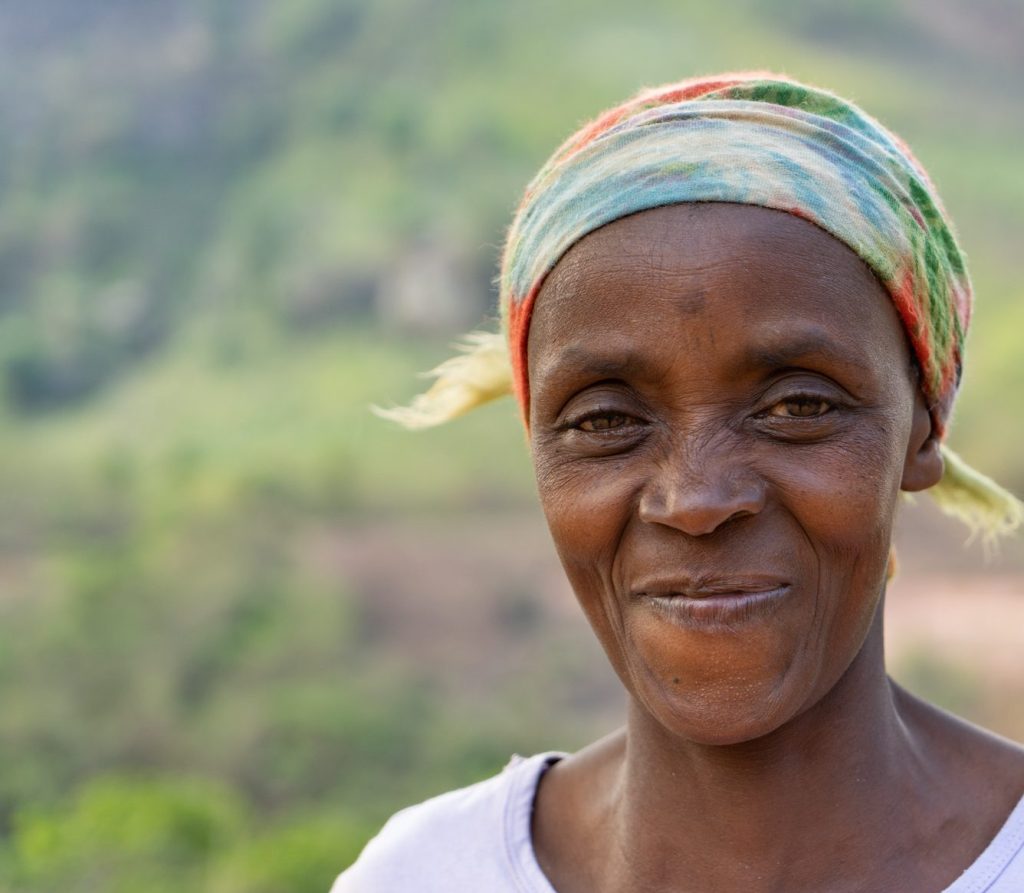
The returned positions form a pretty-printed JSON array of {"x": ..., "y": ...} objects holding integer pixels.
[{"x": 227, "y": 227}]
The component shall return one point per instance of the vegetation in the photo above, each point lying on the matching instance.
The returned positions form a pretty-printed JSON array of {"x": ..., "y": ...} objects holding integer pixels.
[{"x": 212, "y": 213}]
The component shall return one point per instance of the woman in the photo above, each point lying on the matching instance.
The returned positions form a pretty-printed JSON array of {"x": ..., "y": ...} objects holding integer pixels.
[{"x": 735, "y": 312}]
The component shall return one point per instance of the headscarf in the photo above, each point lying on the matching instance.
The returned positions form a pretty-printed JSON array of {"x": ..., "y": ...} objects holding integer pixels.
[{"x": 749, "y": 138}]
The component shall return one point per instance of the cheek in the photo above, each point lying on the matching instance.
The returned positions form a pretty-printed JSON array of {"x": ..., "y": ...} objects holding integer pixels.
[
  {"x": 586, "y": 507},
  {"x": 844, "y": 503},
  {"x": 844, "y": 495},
  {"x": 849, "y": 481},
  {"x": 587, "y": 514}
]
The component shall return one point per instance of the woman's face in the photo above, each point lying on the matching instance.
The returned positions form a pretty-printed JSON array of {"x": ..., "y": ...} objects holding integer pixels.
[{"x": 723, "y": 411}]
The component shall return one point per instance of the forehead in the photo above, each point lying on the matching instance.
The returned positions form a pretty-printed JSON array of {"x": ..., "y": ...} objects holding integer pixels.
[{"x": 743, "y": 276}]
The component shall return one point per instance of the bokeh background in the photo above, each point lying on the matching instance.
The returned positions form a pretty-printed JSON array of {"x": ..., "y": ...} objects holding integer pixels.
[{"x": 242, "y": 620}]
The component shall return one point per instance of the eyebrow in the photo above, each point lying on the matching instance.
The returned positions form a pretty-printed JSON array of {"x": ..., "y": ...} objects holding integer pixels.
[
  {"x": 797, "y": 348},
  {"x": 613, "y": 364},
  {"x": 811, "y": 344}
]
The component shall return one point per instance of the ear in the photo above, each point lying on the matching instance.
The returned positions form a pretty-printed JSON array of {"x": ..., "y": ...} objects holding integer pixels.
[{"x": 923, "y": 465}]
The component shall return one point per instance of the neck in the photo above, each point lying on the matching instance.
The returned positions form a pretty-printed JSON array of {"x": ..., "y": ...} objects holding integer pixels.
[{"x": 824, "y": 784}]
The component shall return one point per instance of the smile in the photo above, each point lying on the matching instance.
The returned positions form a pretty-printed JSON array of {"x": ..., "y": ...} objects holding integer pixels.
[{"x": 720, "y": 605}]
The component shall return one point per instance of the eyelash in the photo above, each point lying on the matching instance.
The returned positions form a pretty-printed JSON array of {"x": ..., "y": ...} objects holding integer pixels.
[
  {"x": 830, "y": 405},
  {"x": 802, "y": 399},
  {"x": 576, "y": 424}
]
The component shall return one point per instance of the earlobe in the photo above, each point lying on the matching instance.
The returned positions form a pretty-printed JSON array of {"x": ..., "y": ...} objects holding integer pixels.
[
  {"x": 924, "y": 469},
  {"x": 924, "y": 465}
]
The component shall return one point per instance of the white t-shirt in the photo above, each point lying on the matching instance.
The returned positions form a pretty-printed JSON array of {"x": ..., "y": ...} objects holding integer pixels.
[{"x": 477, "y": 840}]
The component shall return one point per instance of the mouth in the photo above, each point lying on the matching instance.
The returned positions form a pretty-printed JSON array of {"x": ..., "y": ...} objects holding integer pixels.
[{"x": 715, "y": 603}]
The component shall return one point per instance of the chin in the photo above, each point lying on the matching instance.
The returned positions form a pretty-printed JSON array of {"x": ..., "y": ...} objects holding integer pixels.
[
  {"x": 724, "y": 727},
  {"x": 714, "y": 683},
  {"x": 719, "y": 687},
  {"x": 723, "y": 715}
]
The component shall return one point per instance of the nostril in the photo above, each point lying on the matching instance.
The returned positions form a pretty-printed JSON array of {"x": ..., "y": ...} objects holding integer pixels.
[{"x": 700, "y": 507}]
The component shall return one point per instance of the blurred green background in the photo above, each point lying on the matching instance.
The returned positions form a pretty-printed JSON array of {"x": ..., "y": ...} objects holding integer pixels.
[{"x": 243, "y": 621}]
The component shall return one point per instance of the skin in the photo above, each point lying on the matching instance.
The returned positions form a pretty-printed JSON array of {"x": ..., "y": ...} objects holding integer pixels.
[{"x": 723, "y": 412}]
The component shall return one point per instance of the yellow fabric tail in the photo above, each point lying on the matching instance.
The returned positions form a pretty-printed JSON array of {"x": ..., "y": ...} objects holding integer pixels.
[
  {"x": 975, "y": 499},
  {"x": 480, "y": 374}
]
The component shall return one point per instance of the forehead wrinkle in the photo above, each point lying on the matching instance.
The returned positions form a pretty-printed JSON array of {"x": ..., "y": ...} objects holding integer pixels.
[
  {"x": 610, "y": 363},
  {"x": 613, "y": 267},
  {"x": 809, "y": 345}
]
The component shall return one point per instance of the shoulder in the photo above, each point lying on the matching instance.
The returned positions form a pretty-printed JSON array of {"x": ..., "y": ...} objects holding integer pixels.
[
  {"x": 461, "y": 840},
  {"x": 1000, "y": 868},
  {"x": 980, "y": 773}
]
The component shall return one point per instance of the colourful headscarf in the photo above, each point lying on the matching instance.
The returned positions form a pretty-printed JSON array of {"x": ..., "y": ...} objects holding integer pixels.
[{"x": 752, "y": 138}]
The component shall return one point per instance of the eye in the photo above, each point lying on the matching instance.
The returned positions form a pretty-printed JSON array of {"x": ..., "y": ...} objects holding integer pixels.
[
  {"x": 603, "y": 421},
  {"x": 794, "y": 416},
  {"x": 801, "y": 406}
]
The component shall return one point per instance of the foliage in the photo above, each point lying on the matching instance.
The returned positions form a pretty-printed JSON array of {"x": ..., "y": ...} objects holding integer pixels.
[
  {"x": 120, "y": 835},
  {"x": 206, "y": 206},
  {"x": 123, "y": 834},
  {"x": 241, "y": 167}
]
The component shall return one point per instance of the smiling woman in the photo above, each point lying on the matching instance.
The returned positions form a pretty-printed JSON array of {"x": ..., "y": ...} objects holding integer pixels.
[
  {"x": 722, "y": 503},
  {"x": 735, "y": 315}
]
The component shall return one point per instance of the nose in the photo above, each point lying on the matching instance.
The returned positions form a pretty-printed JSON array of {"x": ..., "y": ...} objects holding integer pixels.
[{"x": 697, "y": 495}]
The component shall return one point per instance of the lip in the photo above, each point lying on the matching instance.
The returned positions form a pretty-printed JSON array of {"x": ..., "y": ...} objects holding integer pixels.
[{"x": 720, "y": 602}]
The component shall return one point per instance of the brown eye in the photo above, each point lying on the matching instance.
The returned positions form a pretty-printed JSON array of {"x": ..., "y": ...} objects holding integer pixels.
[
  {"x": 801, "y": 408},
  {"x": 604, "y": 422}
]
